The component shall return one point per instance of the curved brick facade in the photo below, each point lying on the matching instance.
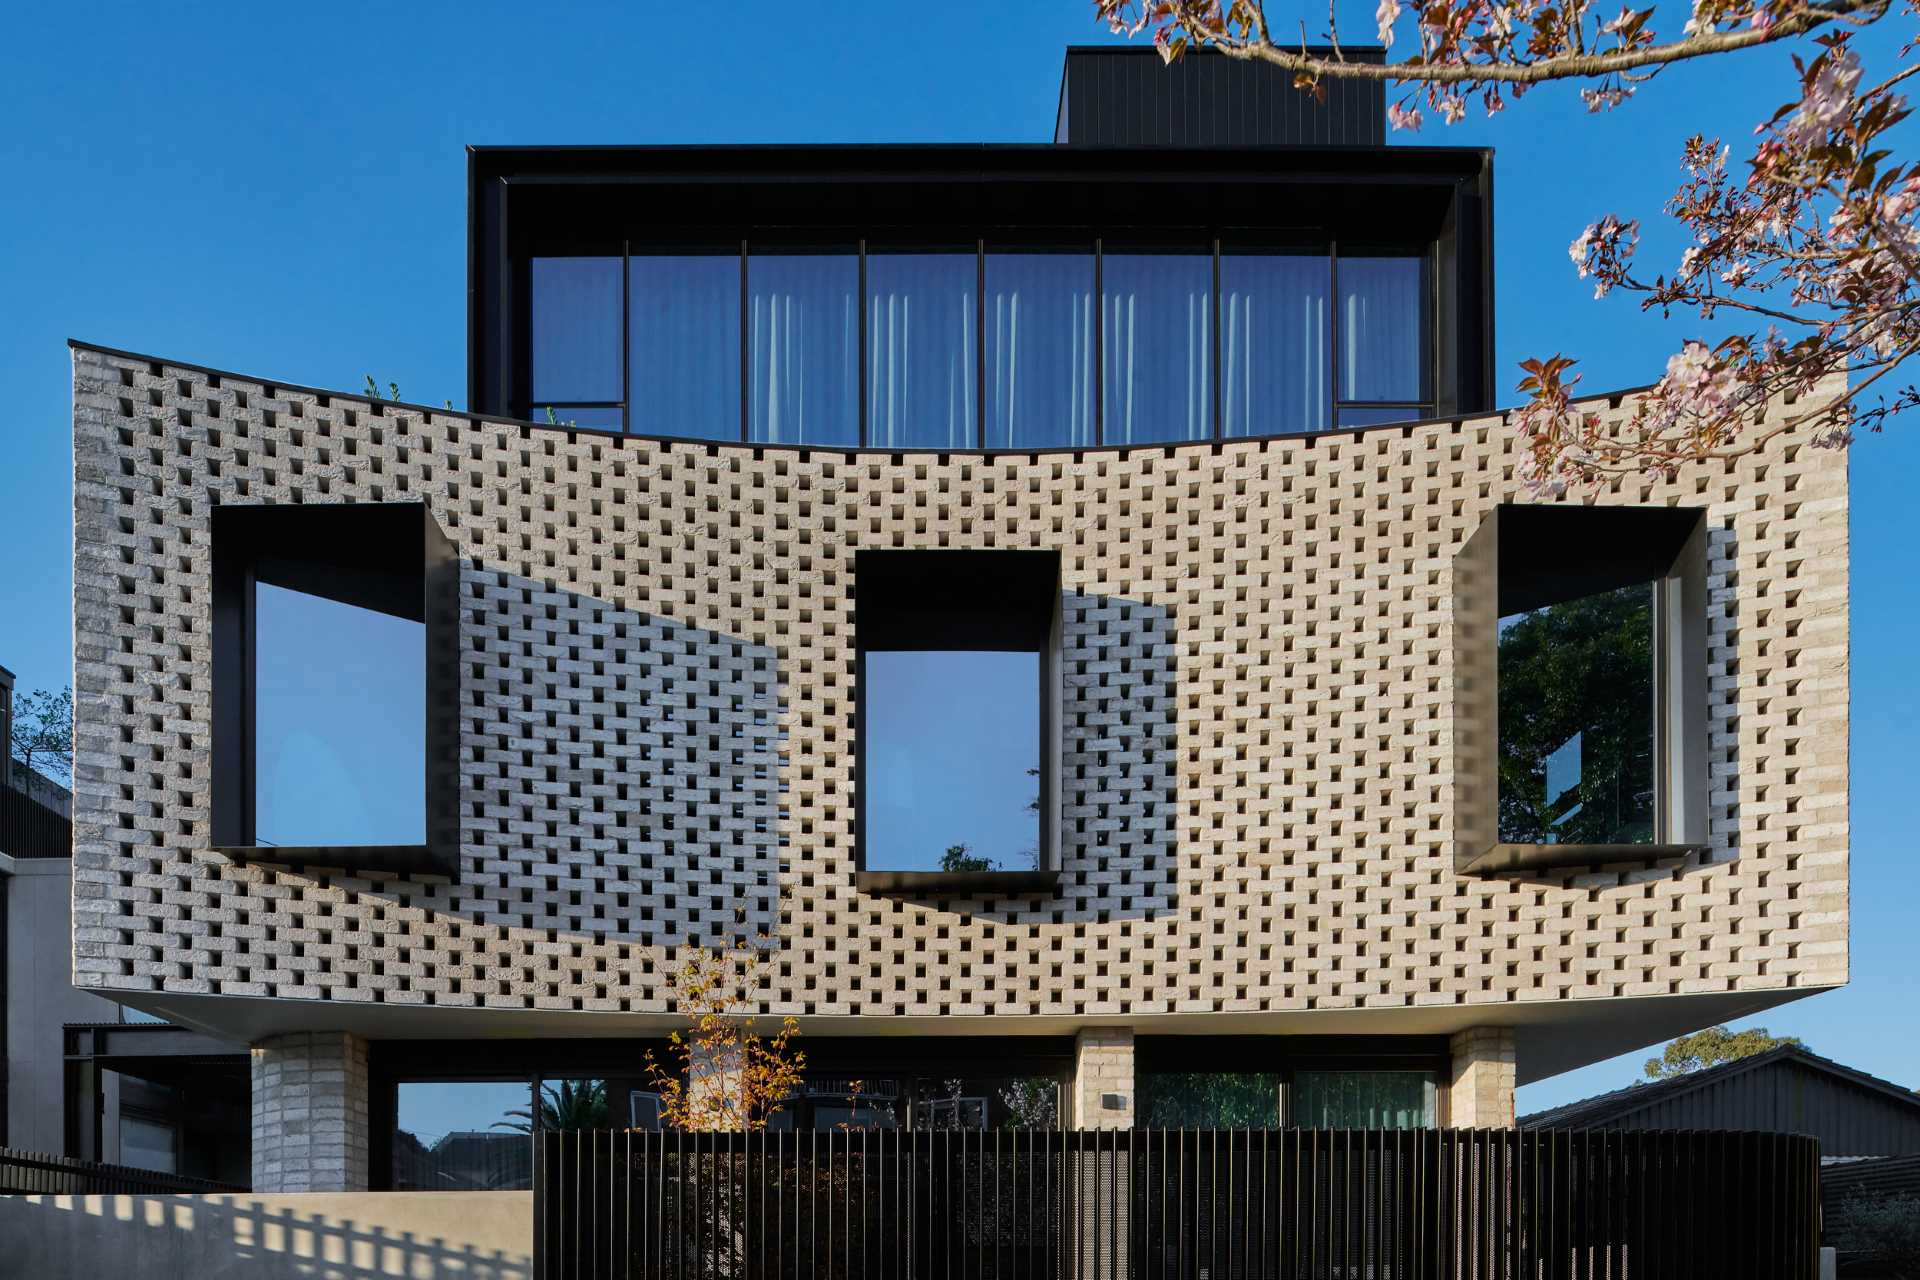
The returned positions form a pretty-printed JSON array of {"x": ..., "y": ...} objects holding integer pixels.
[{"x": 658, "y": 727}]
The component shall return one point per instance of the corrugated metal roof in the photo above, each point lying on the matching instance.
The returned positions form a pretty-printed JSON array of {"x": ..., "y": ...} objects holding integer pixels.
[{"x": 1785, "y": 1089}]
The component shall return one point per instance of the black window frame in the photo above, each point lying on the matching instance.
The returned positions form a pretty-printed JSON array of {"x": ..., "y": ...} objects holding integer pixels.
[
  {"x": 392, "y": 557},
  {"x": 945, "y": 599},
  {"x": 1524, "y": 555},
  {"x": 1283, "y": 1056}
]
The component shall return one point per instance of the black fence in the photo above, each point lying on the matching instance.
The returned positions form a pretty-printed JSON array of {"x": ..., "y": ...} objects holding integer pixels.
[
  {"x": 29, "y": 829},
  {"x": 1289, "y": 1204},
  {"x": 31, "y": 1173}
]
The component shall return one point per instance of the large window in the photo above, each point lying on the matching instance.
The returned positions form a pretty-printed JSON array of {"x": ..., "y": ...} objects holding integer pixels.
[
  {"x": 1039, "y": 349},
  {"x": 1296, "y": 1096},
  {"x": 1580, "y": 637},
  {"x": 957, "y": 707},
  {"x": 683, "y": 343},
  {"x": 1362, "y": 1100},
  {"x": 463, "y": 1136},
  {"x": 1000, "y": 345},
  {"x": 335, "y": 734},
  {"x": 922, "y": 338},
  {"x": 803, "y": 352}
]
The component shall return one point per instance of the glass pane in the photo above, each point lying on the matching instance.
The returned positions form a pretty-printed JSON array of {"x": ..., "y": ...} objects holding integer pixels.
[
  {"x": 1274, "y": 355},
  {"x": 987, "y": 1102},
  {"x": 1576, "y": 721},
  {"x": 340, "y": 723},
  {"x": 804, "y": 347},
  {"x": 1375, "y": 415},
  {"x": 598, "y": 416},
  {"x": 1039, "y": 350},
  {"x": 1362, "y": 1100},
  {"x": 953, "y": 760},
  {"x": 683, "y": 337},
  {"x": 1209, "y": 1100},
  {"x": 921, "y": 379},
  {"x": 463, "y": 1136},
  {"x": 1381, "y": 302},
  {"x": 574, "y": 339},
  {"x": 1158, "y": 346},
  {"x": 146, "y": 1144}
]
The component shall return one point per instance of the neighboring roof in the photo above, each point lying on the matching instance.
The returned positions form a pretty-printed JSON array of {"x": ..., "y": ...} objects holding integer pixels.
[{"x": 1607, "y": 1108}]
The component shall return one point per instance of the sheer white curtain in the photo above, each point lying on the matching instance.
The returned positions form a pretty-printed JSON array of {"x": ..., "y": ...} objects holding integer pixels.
[
  {"x": 803, "y": 348},
  {"x": 683, "y": 336},
  {"x": 1157, "y": 347},
  {"x": 921, "y": 375},
  {"x": 1380, "y": 306},
  {"x": 1274, "y": 357},
  {"x": 1039, "y": 350}
]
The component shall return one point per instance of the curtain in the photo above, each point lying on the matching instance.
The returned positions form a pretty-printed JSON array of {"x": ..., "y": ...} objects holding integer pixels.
[
  {"x": 804, "y": 348},
  {"x": 684, "y": 341},
  {"x": 921, "y": 380},
  {"x": 1362, "y": 1100},
  {"x": 1157, "y": 346},
  {"x": 1039, "y": 350},
  {"x": 1274, "y": 361},
  {"x": 1380, "y": 306},
  {"x": 574, "y": 335}
]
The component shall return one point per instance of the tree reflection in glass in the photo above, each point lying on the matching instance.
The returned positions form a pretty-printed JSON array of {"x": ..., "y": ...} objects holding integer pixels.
[{"x": 1576, "y": 721}]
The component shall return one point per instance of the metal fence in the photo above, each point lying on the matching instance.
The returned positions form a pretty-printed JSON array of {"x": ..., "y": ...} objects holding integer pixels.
[
  {"x": 1185, "y": 1205},
  {"x": 29, "y": 829},
  {"x": 33, "y": 1173}
]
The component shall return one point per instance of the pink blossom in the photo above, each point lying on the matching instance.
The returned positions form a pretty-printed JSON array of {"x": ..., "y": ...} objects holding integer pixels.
[
  {"x": 1402, "y": 117},
  {"x": 1388, "y": 13}
]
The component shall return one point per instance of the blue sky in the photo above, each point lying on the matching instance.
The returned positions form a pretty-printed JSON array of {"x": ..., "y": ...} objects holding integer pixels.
[{"x": 280, "y": 190}]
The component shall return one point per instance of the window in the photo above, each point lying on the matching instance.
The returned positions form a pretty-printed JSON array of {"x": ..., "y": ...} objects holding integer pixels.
[
  {"x": 1382, "y": 338},
  {"x": 1039, "y": 348},
  {"x": 958, "y": 703},
  {"x": 1209, "y": 1100},
  {"x": 884, "y": 1100},
  {"x": 922, "y": 326},
  {"x": 463, "y": 1136},
  {"x": 1157, "y": 338},
  {"x": 1363, "y": 1100},
  {"x": 803, "y": 326},
  {"x": 573, "y": 360},
  {"x": 335, "y": 696},
  {"x": 1303, "y": 1096},
  {"x": 1276, "y": 342},
  {"x": 683, "y": 343},
  {"x": 1581, "y": 660}
]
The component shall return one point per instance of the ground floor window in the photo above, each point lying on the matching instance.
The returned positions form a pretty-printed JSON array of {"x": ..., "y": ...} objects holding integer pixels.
[
  {"x": 959, "y": 1101},
  {"x": 1257, "y": 1082}
]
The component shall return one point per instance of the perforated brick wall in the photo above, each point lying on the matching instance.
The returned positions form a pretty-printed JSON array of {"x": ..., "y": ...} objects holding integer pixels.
[{"x": 658, "y": 727}]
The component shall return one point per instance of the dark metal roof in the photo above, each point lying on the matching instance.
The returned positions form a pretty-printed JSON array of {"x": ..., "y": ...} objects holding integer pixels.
[
  {"x": 1789, "y": 1088},
  {"x": 1124, "y": 95}
]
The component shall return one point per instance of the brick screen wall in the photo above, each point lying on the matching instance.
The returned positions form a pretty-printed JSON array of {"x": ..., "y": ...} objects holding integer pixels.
[{"x": 658, "y": 724}]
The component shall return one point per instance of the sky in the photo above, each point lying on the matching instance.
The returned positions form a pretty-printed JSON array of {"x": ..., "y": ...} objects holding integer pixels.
[{"x": 280, "y": 190}]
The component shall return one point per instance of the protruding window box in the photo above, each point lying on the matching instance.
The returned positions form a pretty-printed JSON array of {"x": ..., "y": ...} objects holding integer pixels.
[
  {"x": 336, "y": 687},
  {"x": 958, "y": 714},
  {"x": 1580, "y": 665}
]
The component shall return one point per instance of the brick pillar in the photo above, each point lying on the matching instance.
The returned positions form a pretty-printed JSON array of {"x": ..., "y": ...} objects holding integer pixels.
[
  {"x": 310, "y": 1112},
  {"x": 713, "y": 1079},
  {"x": 1102, "y": 1079},
  {"x": 1480, "y": 1093}
]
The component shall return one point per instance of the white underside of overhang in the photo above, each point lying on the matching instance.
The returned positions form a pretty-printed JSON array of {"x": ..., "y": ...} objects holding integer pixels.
[{"x": 1552, "y": 1036}]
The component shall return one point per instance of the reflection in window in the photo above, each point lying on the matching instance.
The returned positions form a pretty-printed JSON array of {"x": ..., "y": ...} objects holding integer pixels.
[
  {"x": 599, "y": 417},
  {"x": 574, "y": 343},
  {"x": 147, "y": 1144},
  {"x": 463, "y": 1136},
  {"x": 1576, "y": 722},
  {"x": 921, "y": 376},
  {"x": 1362, "y": 1100},
  {"x": 1209, "y": 1100},
  {"x": 340, "y": 723},
  {"x": 804, "y": 348},
  {"x": 1157, "y": 340},
  {"x": 890, "y": 1101},
  {"x": 1039, "y": 350},
  {"x": 1274, "y": 356},
  {"x": 683, "y": 338},
  {"x": 952, "y": 760},
  {"x": 1378, "y": 415},
  {"x": 1381, "y": 305}
]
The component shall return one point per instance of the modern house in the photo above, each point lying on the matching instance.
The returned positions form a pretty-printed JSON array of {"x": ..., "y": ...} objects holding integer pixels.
[{"x": 1069, "y": 608}]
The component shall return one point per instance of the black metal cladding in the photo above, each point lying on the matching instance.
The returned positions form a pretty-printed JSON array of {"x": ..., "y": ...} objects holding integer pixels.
[
  {"x": 1124, "y": 95},
  {"x": 1300, "y": 1204}
]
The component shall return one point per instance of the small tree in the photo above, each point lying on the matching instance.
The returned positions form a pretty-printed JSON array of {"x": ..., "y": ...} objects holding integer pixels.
[
  {"x": 960, "y": 857},
  {"x": 1886, "y": 1231},
  {"x": 1710, "y": 1048},
  {"x": 721, "y": 1074},
  {"x": 43, "y": 732}
]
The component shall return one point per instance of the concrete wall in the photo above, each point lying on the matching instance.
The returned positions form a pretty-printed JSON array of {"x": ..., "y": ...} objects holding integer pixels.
[
  {"x": 41, "y": 998},
  {"x": 486, "y": 1235}
]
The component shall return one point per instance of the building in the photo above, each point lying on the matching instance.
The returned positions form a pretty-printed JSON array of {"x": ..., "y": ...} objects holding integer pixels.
[
  {"x": 1784, "y": 1090},
  {"x": 1063, "y": 597}
]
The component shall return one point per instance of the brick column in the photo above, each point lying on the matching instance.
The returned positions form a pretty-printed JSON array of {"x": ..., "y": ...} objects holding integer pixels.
[
  {"x": 310, "y": 1112},
  {"x": 1102, "y": 1079},
  {"x": 1480, "y": 1093}
]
